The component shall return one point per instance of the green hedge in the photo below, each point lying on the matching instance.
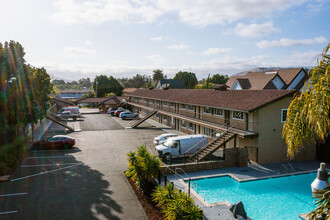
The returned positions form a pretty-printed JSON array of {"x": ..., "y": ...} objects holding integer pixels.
[{"x": 11, "y": 155}]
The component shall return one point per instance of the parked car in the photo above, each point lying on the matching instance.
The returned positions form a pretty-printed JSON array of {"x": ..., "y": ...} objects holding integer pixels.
[
  {"x": 117, "y": 113},
  {"x": 57, "y": 141},
  {"x": 112, "y": 110},
  {"x": 163, "y": 137},
  {"x": 125, "y": 115},
  {"x": 180, "y": 145}
]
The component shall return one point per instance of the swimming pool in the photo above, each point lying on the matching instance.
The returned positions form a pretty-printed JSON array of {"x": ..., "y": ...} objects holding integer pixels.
[{"x": 273, "y": 198}]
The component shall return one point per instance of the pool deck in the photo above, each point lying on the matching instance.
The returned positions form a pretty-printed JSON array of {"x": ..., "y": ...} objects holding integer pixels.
[{"x": 252, "y": 172}]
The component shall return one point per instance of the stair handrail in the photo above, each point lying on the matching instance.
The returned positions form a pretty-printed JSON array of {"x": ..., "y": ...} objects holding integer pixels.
[{"x": 214, "y": 140}]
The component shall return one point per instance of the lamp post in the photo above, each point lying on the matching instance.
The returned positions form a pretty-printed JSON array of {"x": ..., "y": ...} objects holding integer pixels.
[{"x": 321, "y": 182}]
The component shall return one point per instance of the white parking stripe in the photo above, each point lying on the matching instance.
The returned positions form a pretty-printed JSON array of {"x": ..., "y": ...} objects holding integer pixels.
[
  {"x": 48, "y": 165},
  {"x": 42, "y": 173},
  {"x": 13, "y": 194},
  {"x": 48, "y": 157},
  {"x": 9, "y": 212}
]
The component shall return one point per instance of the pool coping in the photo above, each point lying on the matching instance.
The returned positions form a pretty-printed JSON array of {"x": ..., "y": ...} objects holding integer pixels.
[{"x": 192, "y": 191}]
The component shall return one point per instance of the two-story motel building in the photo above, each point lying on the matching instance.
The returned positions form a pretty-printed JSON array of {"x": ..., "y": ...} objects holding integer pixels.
[{"x": 255, "y": 116}]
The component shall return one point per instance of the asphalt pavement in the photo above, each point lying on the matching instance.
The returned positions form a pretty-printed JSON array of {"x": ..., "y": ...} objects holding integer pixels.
[{"x": 85, "y": 182}]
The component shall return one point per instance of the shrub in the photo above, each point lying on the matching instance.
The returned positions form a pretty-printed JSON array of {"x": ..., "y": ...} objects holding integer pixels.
[
  {"x": 176, "y": 204},
  {"x": 11, "y": 154},
  {"x": 143, "y": 168},
  {"x": 322, "y": 211}
]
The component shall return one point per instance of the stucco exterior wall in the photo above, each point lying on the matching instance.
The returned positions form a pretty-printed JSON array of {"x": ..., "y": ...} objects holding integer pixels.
[{"x": 271, "y": 146}]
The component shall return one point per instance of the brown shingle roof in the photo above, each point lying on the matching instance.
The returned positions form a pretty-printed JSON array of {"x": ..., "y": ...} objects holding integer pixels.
[
  {"x": 257, "y": 80},
  {"x": 113, "y": 101},
  {"x": 289, "y": 74},
  {"x": 244, "y": 100},
  {"x": 91, "y": 100}
]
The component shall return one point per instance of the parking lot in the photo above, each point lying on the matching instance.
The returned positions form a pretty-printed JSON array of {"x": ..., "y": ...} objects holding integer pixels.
[{"x": 85, "y": 182}]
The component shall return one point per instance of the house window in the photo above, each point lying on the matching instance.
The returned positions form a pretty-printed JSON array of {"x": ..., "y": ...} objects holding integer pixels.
[
  {"x": 165, "y": 118},
  {"x": 172, "y": 120},
  {"x": 145, "y": 100},
  {"x": 207, "y": 110},
  {"x": 238, "y": 115},
  {"x": 157, "y": 115},
  {"x": 218, "y": 112},
  {"x": 207, "y": 131},
  {"x": 284, "y": 113},
  {"x": 183, "y": 124},
  {"x": 190, "y": 107},
  {"x": 164, "y": 103},
  {"x": 172, "y": 105},
  {"x": 191, "y": 126},
  {"x": 183, "y": 106},
  {"x": 150, "y": 101}
]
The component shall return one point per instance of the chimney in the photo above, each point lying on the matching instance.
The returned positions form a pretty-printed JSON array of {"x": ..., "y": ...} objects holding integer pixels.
[{"x": 221, "y": 87}]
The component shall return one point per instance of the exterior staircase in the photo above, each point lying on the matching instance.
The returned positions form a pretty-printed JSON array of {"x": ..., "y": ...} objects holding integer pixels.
[
  {"x": 140, "y": 120},
  {"x": 211, "y": 147},
  {"x": 60, "y": 123}
]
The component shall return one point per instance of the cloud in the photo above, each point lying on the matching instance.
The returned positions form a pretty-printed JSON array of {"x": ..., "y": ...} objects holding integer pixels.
[
  {"x": 215, "y": 51},
  {"x": 89, "y": 43},
  {"x": 100, "y": 11},
  {"x": 254, "y": 30},
  {"x": 285, "y": 42},
  {"x": 177, "y": 47},
  {"x": 77, "y": 52},
  {"x": 156, "y": 58},
  {"x": 159, "y": 38},
  {"x": 206, "y": 12}
]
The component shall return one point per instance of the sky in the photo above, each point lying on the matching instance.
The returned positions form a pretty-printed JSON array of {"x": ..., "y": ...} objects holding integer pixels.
[{"x": 76, "y": 39}]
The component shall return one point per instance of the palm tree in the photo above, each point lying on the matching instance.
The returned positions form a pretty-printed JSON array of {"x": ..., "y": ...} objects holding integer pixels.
[
  {"x": 308, "y": 118},
  {"x": 157, "y": 75}
]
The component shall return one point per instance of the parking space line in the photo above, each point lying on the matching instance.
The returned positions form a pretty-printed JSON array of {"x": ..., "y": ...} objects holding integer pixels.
[
  {"x": 13, "y": 194},
  {"x": 9, "y": 212},
  {"x": 48, "y": 157},
  {"x": 42, "y": 173},
  {"x": 50, "y": 151},
  {"x": 48, "y": 165}
]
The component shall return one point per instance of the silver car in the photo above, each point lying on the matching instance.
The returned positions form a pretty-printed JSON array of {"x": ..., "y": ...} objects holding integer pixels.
[{"x": 163, "y": 137}]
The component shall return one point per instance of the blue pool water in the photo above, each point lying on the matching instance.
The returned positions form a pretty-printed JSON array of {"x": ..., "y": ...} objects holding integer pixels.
[{"x": 274, "y": 198}]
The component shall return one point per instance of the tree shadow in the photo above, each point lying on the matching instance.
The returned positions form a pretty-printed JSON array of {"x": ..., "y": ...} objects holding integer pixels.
[{"x": 73, "y": 191}]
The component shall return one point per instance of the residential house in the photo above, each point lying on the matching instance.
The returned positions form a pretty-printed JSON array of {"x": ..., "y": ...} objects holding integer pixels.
[
  {"x": 289, "y": 79},
  {"x": 171, "y": 83},
  {"x": 254, "y": 117}
]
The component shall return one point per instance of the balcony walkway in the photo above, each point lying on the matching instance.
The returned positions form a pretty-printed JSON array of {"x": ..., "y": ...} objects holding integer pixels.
[{"x": 215, "y": 126}]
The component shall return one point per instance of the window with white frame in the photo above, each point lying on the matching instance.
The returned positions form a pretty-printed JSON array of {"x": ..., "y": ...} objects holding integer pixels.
[
  {"x": 207, "y": 110},
  {"x": 183, "y": 124},
  {"x": 284, "y": 113},
  {"x": 172, "y": 105},
  {"x": 165, "y": 118},
  {"x": 207, "y": 131},
  {"x": 238, "y": 115},
  {"x": 183, "y": 106},
  {"x": 157, "y": 102},
  {"x": 172, "y": 120},
  {"x": 145, "y": 100},
  {"x": 218, "y": 112},
  {"x": 150, "y": 101},
  {"x": 190, "y": 107},
  {"x": 190, "y": 126},
  {"x": 164, "y": 103}
]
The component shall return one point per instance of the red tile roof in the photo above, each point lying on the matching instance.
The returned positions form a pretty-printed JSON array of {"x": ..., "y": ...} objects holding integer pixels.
[{"x": 244, "y": 100}]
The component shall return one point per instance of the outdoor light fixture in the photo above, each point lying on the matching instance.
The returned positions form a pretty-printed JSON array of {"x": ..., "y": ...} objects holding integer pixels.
[{"x": 321, "y": 182}]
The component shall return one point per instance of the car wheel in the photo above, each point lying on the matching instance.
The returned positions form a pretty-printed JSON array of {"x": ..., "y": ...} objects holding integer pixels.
[
  {"x": 112, "y": 113},
  {"x": 124, "y": 117},
  {"x": 67, "y": 146}
]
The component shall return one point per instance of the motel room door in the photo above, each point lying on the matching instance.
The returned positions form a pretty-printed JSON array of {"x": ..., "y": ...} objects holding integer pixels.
[{"x": 227, "y": 117}]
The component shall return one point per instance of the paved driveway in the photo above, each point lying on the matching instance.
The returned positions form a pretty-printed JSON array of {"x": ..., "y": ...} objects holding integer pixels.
[{"x": 86, "y": 182}]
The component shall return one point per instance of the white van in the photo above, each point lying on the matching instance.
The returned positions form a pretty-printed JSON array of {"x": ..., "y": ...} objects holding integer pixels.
[
  {"x": 176, "y": 146},
  {"x": 69, "y": 112}
]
